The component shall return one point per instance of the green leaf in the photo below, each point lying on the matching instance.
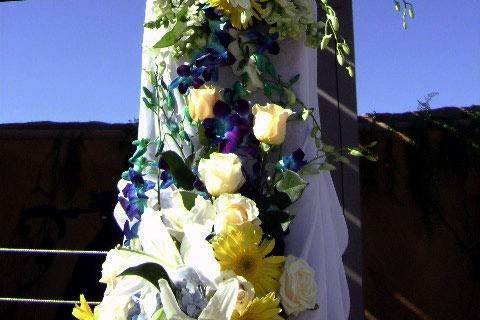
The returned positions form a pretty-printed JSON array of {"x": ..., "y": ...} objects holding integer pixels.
[
  {"x": 305, "y": 114},
  {"x": 188, "y": 198},
  {"x": 170, "y": 101},
  {"x": 204, "y": 141},
  {"x": 342, "y": 159},
  {"x": 294, "y": 79},
  {"x": 171, "y": 36},
  {"x": 159, "y": 315},
  {"x": 292, "y": 184},
  {"x": 182, "y": 175},
  {"x": 328, "y": 148},
  {"x": 142, "y": 146},
  {"x": 152, "y": 272},
  {"x": 355, "y": 152},
  {"x": 265, "y": 147},
  {"x": 159, "y": 148},
  {"x": 271, "y": 69},
  {"x": 327, "y": 167},
  {"x": 340, "y": 59},
  {"x": 148, "y": 93},
  {"x": 372, "y": 144},
  {"x": 314, "y": 132},
  {"x": 260, "y": 62},
  {"x": 267, "y": 90},
  {"x": 325, "y": 40},
  {"x": 309, "y": 170},
  {"x": 411, "y": 13}
]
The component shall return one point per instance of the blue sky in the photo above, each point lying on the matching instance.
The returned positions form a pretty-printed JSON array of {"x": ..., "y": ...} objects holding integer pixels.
[{"x": 76, "y": 60}]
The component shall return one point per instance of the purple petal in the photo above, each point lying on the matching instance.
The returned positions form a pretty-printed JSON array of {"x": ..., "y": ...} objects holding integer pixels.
[
  {"x": 242, "y": 107},
  {"x": 184, "y": 70},
  {"x": 221, "y": 109}
]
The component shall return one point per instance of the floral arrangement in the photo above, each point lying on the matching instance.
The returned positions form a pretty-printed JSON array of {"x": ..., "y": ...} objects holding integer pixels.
[{"x": 204, "y": 219}]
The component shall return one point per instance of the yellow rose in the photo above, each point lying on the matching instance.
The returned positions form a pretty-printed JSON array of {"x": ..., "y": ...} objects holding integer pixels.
[
  {"x": 233, "y": 209},
  {"x": 201, "y": 102},
  {"x": 222, "y": 173},
  {"x": 298, "y": 289},
  {"x": 270, "y": 123}
]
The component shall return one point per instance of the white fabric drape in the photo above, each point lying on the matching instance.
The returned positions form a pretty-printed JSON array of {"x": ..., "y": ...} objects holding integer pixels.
[{"x": 318, "y": 233}]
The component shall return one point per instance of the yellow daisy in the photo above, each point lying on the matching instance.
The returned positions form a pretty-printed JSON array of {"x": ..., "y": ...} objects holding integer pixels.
[
  {"x": 240, "y": 11},
  {"x": 242, "y": 250},
  {"x": 265, "y": 308},
  {"x": 83, "y": 311}
]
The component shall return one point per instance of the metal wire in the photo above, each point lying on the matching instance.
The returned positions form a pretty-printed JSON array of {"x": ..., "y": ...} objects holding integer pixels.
[
  {"x": 42, "y": 301},
  {"x": 51, "y": 251}
]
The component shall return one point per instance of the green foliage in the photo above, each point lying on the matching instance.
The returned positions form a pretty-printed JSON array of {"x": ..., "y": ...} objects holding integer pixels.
[
  {"x": 407, "y": 11},
  {"x": 188, "y": 199},
  {"x": 152, "y": 272},
  {"x": 181, "y": 173},
  {"x": 292, "y": 184}
]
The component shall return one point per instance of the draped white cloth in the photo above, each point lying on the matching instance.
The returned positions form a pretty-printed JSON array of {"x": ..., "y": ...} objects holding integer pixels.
[{"x": 318, "y": 233}]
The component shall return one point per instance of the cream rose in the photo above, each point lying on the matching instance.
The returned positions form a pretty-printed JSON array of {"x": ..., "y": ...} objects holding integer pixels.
[
  {"x": 222, "y": 173},
  {"x": 298, "y": 289},
  {"x": 246, "y": 291},
  {"x": 270, "y": 123},
  {"x": 233, "y": 209},
  {"x": 201, "y": 102}
]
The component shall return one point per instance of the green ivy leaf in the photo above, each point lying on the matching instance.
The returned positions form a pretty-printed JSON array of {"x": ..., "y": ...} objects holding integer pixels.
[
  {"x": 292, "y": 184},
  {"x": 325, "y": 40},
  {"x": 159, "y": 148},
  {"x": 182, "y": 175},
  {"x": 171, "y": 36},
  {"x": 152, "y": 272},
  {"x": 327, "y": 167}
]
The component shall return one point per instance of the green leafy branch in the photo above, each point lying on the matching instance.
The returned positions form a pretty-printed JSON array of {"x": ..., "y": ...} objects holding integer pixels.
[
  {"x": 331, "y": 29},
  {"x": 407, "y": 11}
]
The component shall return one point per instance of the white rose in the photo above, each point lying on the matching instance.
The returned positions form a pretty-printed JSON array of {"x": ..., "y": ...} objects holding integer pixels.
[
  {"x": 298, "y": 289},
  {"x": 233, "y": 209},
  {"x": 270, "y": 123},
  {"x": 222, "y": 173},
  {"x": 246, "y": 291}
]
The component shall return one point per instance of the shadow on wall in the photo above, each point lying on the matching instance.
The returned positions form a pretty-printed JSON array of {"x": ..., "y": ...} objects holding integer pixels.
[
  {"x": 421, "y": 215},
  {"x": 58, "y": 192}
]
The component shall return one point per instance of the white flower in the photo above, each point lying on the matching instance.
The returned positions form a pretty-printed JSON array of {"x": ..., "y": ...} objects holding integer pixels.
[
  {"x": 233, "y": 209},
  {"x": 114, "y": 308},
  {"x": 246, "y": 291},
  {"x": 115, "y": 263},
  {"x": 298, "y": 289},
  {"x": 220, "y": 306},
  {"x": 222, "y": 173},
  {"x": 177, "y": 217}
]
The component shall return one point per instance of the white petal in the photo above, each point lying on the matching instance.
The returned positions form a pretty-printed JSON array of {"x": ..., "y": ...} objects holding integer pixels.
[
  {"x": 157, "y": 242},
  {"x": 170, "y": 305},
  {"x": 198, "y": 254},
  {"x": 222, "y": 304}
]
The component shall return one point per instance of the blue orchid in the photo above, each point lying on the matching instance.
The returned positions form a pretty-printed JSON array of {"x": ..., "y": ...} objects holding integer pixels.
[
  {"x": 134, "y": 198},
  {"x": 293, "y": 162}
]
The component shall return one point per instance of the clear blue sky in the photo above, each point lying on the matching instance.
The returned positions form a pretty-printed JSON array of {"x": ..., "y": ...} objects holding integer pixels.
[{"x": 77, "y": 60}]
